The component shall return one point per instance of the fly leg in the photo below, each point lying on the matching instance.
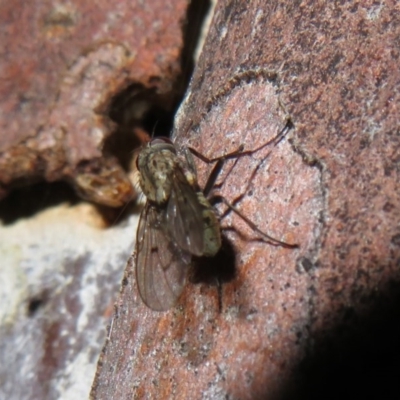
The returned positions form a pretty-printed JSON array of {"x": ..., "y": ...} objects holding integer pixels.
[
  {"x": 211, "y": 183},
  {"x": 267, "y": 238},
  {"x": 232, "y": 207},
  {"x": 240, "y": 152}
]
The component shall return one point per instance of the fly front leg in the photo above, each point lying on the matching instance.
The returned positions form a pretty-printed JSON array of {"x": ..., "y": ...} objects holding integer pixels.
[
  {"x": 219, "y": 162},
  {"x": 240, "y": 152}
]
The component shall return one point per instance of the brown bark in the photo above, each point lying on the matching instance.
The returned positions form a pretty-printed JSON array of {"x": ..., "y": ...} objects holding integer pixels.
[{"x": 332, "y": 186}]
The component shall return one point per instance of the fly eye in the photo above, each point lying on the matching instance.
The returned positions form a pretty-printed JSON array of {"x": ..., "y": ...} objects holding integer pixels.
[{"x": 161, "y": 139}]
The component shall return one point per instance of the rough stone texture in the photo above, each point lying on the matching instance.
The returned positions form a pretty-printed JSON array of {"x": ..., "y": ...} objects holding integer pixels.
[
  {"x": 308, "y": 323},
  {"x": 61, "y": 65},
  {"x": 61, "y": 266},
  {"x": 220, "y": 343},
  {"x": 59, "y": 275}
]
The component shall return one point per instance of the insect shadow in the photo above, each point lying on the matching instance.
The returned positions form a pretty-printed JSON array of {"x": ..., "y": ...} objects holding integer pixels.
[
  {"x": 179, "y": 226},
  {"x": 218, "y": 269}
]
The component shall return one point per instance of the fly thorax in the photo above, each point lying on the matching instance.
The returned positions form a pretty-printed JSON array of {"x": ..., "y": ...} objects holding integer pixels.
[{"x": 156, "y": 167}]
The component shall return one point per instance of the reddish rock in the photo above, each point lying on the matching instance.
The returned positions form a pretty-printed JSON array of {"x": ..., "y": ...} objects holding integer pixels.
[
  {"x": 61, "y": 66},
  {"x": 295, "y": 322}
]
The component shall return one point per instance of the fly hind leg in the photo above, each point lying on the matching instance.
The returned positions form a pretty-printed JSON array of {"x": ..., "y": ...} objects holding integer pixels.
[{"x": 211, "y": 183}]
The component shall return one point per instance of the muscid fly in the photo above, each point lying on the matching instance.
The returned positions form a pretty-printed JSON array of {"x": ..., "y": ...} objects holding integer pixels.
[{"x": 177, "y": 221}]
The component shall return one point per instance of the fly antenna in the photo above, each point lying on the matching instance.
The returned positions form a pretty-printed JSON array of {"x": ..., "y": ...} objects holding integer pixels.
[{"x": 153, "y": 132}]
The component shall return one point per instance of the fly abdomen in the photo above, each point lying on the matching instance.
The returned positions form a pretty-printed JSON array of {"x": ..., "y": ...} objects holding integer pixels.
[{"x": 212, "y": 232}]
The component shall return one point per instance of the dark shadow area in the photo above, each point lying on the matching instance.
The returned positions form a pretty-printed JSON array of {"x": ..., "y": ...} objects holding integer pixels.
[
  {"x": 142, "y": 106},
  {"x": 197, "y": 12},
  {"x": 141, "y": 112},
  {"x": 218, "y": 269},
  {"x": 215, "y": 270},
  {"x": 358, "y": 359},
  {"x": 113, "y": 216},
  {"x": 27, "y": 201},
  {"x": 35, "y": 303}
]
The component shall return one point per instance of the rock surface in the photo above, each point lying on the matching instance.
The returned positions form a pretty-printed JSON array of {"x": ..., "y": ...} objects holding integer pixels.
[
  {"x": 312, "y": 322},
  {"x": 61, "y": 66},
  {"x": 288, "y": 323}
]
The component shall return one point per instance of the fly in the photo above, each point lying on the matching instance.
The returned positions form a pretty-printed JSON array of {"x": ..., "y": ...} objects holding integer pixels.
[{"x": 177, "y": 221}]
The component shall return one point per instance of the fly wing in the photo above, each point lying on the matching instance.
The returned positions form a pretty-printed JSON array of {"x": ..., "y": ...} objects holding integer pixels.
[
  {"x": 161, "y": 267},
  {"x": 185, "y": 216}
]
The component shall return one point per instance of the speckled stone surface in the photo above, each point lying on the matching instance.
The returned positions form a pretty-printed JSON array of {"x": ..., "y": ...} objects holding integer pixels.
[
  {"x": 62, "y": 261},
  {"x": 307, "y": 323},
  {"x": 289, "y": 323},
  {"x": 61, "y": 65}
]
